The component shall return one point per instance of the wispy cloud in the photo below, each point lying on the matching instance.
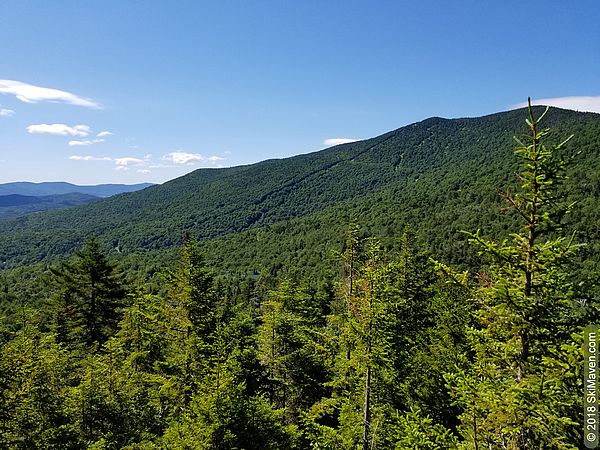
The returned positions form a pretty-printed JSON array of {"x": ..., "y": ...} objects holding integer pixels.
[
  {"x": 577, "y": 103},
  {"x": 89, "y": 158},
  {"x": 145, "y": 164},
  {"x": 6, "y": 112},
  {"x": 59, "y": 129},
  {"x": 179, "y": 157},
  {"x": 337, "y": 141},
  {"x": 35, "y": 94},
  {"x": 124, "y": 163},
  {"x": 104, "y": 133},
  {"x": 85, "y": 142}
]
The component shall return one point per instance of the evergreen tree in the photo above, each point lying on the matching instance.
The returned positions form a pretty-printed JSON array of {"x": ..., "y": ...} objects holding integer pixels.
[
  {"x": 192, "y": 311},
  {"x": 192, "y": 291},
  {"x": 91, "y": 297},
  {"x": 524, "y": 388},
  {"x": 413, "y": 431},
  {"x": 288, "y": 350},
  {"x": 425, "y": 323},
  {"x": 229, "y": 418},
  {"x": 229, "y": 407},
  {"x": 36, "y": 374},
  {"x": 362, "y": 361}
]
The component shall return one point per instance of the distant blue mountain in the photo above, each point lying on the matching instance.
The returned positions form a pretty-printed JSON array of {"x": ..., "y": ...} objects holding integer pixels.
[
  {"x": 17, "y": 200},
  {"x": 59, "y": 188},
  {"x": 16, "y": 205}
]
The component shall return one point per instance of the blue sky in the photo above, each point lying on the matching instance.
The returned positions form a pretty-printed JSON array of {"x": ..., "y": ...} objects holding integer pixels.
[{"x": 131, "y": 91}]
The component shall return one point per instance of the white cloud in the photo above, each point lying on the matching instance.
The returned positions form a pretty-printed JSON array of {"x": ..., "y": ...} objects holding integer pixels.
[
  {"x": 79, "y": 143},
  {"x": 125, "y": 162},
  {"x": 34, "y": 94},
  {"x": 85, "y": 142},
  {"x": 182, "y": 157},
  {"x": 128, "y": 160},
  {"x": 104, "y": 133},
  {"x": 59, "y": 129},
  {"x": 89, "y": 158},
  {"x": 337, "y": 141},
  {"x": 179, "y": 157},
  {"x": 6, "y": 112},
  {"x": 577, "y": 103}
]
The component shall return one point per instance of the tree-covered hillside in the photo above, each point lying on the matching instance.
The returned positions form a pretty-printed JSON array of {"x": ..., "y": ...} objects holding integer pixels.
[
  {"x": 16, "y": 205},
  {"x": 437, "y": 176},
  {"x": 387, "y": 348}
]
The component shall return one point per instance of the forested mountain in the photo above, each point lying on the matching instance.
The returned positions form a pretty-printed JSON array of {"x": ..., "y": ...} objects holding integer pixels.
[
  {"x": 23, "y": 198},
  {"x": 58, "y": 188},
  {"x": 438, "y": 176},
  {"x": 334, "y": 305},
  {"x": 16, "y": 205}
]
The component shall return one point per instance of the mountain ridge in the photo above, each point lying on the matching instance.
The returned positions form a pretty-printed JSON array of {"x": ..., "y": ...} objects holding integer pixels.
[
  {"x": 62, "y": 187},
  {"x": 17, "y": 205},
  {"x": 432, "y": 165}
]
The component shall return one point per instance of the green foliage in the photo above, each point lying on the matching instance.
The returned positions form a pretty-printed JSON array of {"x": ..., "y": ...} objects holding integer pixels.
[
  {"x": 415, "y": 432},
  {"x": 192, "y": 286},
  {"x": 35, "y": 376},
  {"x": 289, "y": 350},
  {"x": 523, "y": 390},
  {"x": 193, "y": 302},
  {"x": 92, "y": 293},
  {"x": 228, "y": 416},
  {"x": 438, "y": 176},
  {"x": 426, "y": 328},
  {"x": 262, "y": 340}
]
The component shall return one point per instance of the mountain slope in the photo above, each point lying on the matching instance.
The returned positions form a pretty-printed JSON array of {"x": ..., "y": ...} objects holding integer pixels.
[
  {"x": 17, "y": 200},
  {"x": 59, "y": 188},
  {"x": 15, "y": 205},
  {"x": 438, "y": 175}
]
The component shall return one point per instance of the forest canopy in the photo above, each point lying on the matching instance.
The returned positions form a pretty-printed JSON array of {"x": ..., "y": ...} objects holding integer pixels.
[{"x": 387, "y": 345}]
